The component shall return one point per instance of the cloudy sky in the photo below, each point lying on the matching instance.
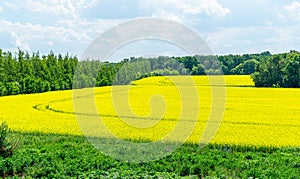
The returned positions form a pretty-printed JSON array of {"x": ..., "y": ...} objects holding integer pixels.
[{"x": 227, "y": 26}]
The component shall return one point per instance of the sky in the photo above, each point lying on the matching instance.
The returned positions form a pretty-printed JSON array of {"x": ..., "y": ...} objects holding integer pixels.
[{"x": 227, "y": 26}]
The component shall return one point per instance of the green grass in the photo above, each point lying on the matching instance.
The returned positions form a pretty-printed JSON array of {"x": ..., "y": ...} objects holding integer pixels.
[{"x": 64, "y": 156}]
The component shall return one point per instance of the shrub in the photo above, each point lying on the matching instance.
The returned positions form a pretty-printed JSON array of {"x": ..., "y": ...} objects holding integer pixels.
[{"x": 6, "y": 149}]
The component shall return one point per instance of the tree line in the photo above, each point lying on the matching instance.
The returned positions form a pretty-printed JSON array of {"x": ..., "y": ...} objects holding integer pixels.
[
  {"x": 280, "y": 70},
  {"x": 266, "y": 70},
  {"x": 24, "y": 73}
]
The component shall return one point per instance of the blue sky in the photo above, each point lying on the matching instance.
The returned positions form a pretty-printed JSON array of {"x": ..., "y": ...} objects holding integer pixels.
[{"x": 227, "y": 26}]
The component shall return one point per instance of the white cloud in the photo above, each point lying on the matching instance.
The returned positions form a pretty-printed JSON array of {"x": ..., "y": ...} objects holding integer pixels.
[
  {"x": 68, "y": 34},
  {"x": 1, "y": 9},
  {"x": 56, "y": 7},
  {"x": 279, "y": 15},
  {"x": 49, "y": 43},
  {"x": 288, "y": 14},
  {"x": 13, "y": 6},
  {"x": 209, "y": 7},
  {"x": 18, "y": 42},
  {"x": 89, "y": 4},
  {"x": 167, "y": 15},
  {"x": 293, "y": 8},
  {"x": 188, "y": 7},
  {"x": 253, "y": 39},
  {"x": 70, "y": 25},
  {"x": 269, "y": 22},
  {"x": 69, "y": 8}
]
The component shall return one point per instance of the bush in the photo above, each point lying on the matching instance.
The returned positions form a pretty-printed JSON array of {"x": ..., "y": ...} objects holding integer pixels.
[
  {"x": 6, "y": 148},
  {"x": 13, "y": 88},
  {"x": 3, "y": 90}
]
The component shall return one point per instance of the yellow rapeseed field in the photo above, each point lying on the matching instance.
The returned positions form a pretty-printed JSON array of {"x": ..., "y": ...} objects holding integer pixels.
[{"x": 166, "y": 108}]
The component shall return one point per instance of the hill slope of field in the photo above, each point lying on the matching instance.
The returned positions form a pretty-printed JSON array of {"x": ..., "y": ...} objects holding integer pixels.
[
  {"x": 252, "y": 116},
  {"x": 258, "y": 136}
]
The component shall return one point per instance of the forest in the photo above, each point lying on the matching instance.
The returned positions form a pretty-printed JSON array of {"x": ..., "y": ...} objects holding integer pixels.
[{"x": 24, "y": 73}]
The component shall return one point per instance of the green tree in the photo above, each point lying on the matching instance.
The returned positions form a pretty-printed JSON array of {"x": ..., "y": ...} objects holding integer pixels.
[
  {"x": 292, "y": 70},
  {"x": 10, "y": 68},
  {"x": 246, "y": 68},
  {"x": 3, "y": 90},
  {"x": 278, "y": 70},
  {"x": 198, "y": 70},
  {"x": 13, "y": 88}
]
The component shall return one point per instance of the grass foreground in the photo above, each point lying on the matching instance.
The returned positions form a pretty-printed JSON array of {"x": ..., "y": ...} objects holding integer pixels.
[{"x": 63, "y": 156}]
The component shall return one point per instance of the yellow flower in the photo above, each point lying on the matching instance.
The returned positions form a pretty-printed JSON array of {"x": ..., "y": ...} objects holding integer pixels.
[{"x": 151, "y": 108}]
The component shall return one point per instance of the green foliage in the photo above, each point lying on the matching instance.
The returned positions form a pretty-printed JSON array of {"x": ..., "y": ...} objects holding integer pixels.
[
  {"x": 137, "y": 68},
  {"x": 282, "y": 70},
  {"x": 106, "y": 74},
  {"x": 6, "y": 148},
  {"x": 198, "y": 70},
  {"x": 12, "y": 88},
  {"x": 62, "y": 156},
  {"x": 245, "y": 68},
  {"x": 23, "y": 73},
  {"x": 292, "y": 70},
  {"x": 3, "y": 90}
]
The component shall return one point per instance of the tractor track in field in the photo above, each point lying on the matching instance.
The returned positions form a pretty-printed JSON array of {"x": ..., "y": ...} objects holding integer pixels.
[{"x": 46, "y": 107}]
